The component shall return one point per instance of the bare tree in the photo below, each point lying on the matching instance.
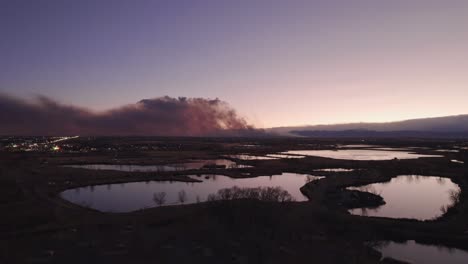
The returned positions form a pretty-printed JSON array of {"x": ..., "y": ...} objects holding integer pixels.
[
  {"x": 270, "y": 194},
  {"x": 182, "y": 196},
  {"x": 212, "y": 197},
  {"x": 159, "y": 198}
]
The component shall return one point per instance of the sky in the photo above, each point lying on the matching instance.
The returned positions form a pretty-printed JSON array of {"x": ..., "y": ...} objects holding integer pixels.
[{"x": 278, "y": 63}]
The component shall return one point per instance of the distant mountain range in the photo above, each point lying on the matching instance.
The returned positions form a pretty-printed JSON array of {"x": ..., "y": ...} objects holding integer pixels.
[{"x": 437, "y": 127}]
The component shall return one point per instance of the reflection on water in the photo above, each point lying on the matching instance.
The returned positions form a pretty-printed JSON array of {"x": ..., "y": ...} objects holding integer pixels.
[
  {"x": 266, "y": 157},
  {"x": 251, "y": 157},
  {"x": 447, "y": 150},
  {"x": 284, "y": 156},
  {"x": 357, "y": 146},
  {"x": 411, "y": 196},
  {"x": 249, "y": 145},
  {"x": 335, "y": 170},
  {"x": 360, "y": 154},
  {"x": 422, "y": 254},
  {"x": 392, "y": 149},
  {"x": 125, "y": 197},
  {"x": 193, "y": 165},
  {"x": 375, "y": 147}
]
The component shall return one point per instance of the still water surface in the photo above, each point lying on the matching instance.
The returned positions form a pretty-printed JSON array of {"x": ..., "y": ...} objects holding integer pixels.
[
  {"x": 284, "y": 156},
  {"x": 410, "y": 196},
  {"x": 193, "y": 165},
  {"x": 132, "y": 196},
  {"x": 252, "y": 157},
  {"x": 335, "y": 170},
  {"x": 360, "y": 154},
  {"x": 416, "y": 253}
]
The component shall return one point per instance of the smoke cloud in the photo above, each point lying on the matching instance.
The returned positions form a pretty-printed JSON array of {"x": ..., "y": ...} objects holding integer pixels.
[{"x": 164, "y": 116}]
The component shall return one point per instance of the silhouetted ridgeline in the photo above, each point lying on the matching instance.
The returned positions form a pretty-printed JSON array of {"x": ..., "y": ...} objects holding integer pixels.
[
  {"x": 439, "y": 127},
  {"x": 379, "y": 134}
]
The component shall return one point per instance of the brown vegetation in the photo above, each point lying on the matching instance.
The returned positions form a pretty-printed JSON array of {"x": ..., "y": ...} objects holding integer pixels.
[{"x": 38, "y": 226}]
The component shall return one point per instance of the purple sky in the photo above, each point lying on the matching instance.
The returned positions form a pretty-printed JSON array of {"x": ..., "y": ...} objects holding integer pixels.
[{"x": 276, "y": 62}]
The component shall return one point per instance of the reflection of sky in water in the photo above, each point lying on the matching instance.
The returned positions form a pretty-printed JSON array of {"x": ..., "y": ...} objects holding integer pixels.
[
  {"x": 193, "y": 165},
  {"x": 284, "y": 156},
  {"x": 423, "y": 254},
  {"x": 392, "y": 149},
  {"x": 266, "y": 157},
  {"x": 410, "y": 196},
  {"x": 137, "y": 195},
  {"x": 335, "y": 170},
  {"x": 357, "y": 146},
  {"x": 360, "y": 154},
  {"x": 447, "y": 150},
  {"x": 376, "y": 147},
  {"x": 251, "y": 157}
]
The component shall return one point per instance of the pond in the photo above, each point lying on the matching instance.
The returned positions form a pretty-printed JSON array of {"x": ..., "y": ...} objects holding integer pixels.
[
  {"x": 251, "y": 157},
  {"x": 132, "y": 196},
  {"x": 416, "y": 253},
  {"x": 358, "y": 146},
  {"x": 193, "y": 165},
  {"x": 335, "y": 170},
  {"x": 411, "y": 196},
  {"x": 392, "y": 149},
  {"x": 448, "y": 150},
  {"x": 360, "y": 154},
  {"x": 284, "y": 156}
]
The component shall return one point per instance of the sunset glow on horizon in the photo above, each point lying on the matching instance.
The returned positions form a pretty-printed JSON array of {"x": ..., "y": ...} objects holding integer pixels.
[{"x": 277, "y": 63}]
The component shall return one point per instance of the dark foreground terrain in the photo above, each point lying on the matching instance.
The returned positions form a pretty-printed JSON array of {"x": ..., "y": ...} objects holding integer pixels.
[{"x": 38, "y": 226}]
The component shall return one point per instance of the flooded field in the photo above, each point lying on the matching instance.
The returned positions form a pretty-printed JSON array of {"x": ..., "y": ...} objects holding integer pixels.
[
  {"x": 132, "y": 196},
  {"x": 360, "y": 154},
  {"x": 416, "y": 253},
  {"x": 411, "y": 196},
  {"x": 219, "y": 163}
]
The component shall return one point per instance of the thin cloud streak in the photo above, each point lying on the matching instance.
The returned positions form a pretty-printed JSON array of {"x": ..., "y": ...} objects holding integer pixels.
[{"x": 163, "y": 116}]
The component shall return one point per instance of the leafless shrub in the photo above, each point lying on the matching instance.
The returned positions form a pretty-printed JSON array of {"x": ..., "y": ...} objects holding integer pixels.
[
  {"x": 159, "y": 198},
  {"x": 211, "y": 198},
  {"x": 455, "y": 196},
  {"x": 269, "y": 194},
  {"x": 225, "y": 194},
  {"x": 182, "y": 196},
  {"x": 444, "y": 209}
]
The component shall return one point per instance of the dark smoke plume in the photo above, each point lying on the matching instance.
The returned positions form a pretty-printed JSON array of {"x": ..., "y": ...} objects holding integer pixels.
[{"x": 164, "y": 116}]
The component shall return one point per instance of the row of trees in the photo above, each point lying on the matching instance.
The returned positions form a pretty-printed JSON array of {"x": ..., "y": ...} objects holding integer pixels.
[
  {"x": 268, "y": 194},
  {"x": 159, "y": 198}
]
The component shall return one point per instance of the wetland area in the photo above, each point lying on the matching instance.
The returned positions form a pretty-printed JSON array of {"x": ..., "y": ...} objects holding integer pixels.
[{"x": 226, "y": 200}]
